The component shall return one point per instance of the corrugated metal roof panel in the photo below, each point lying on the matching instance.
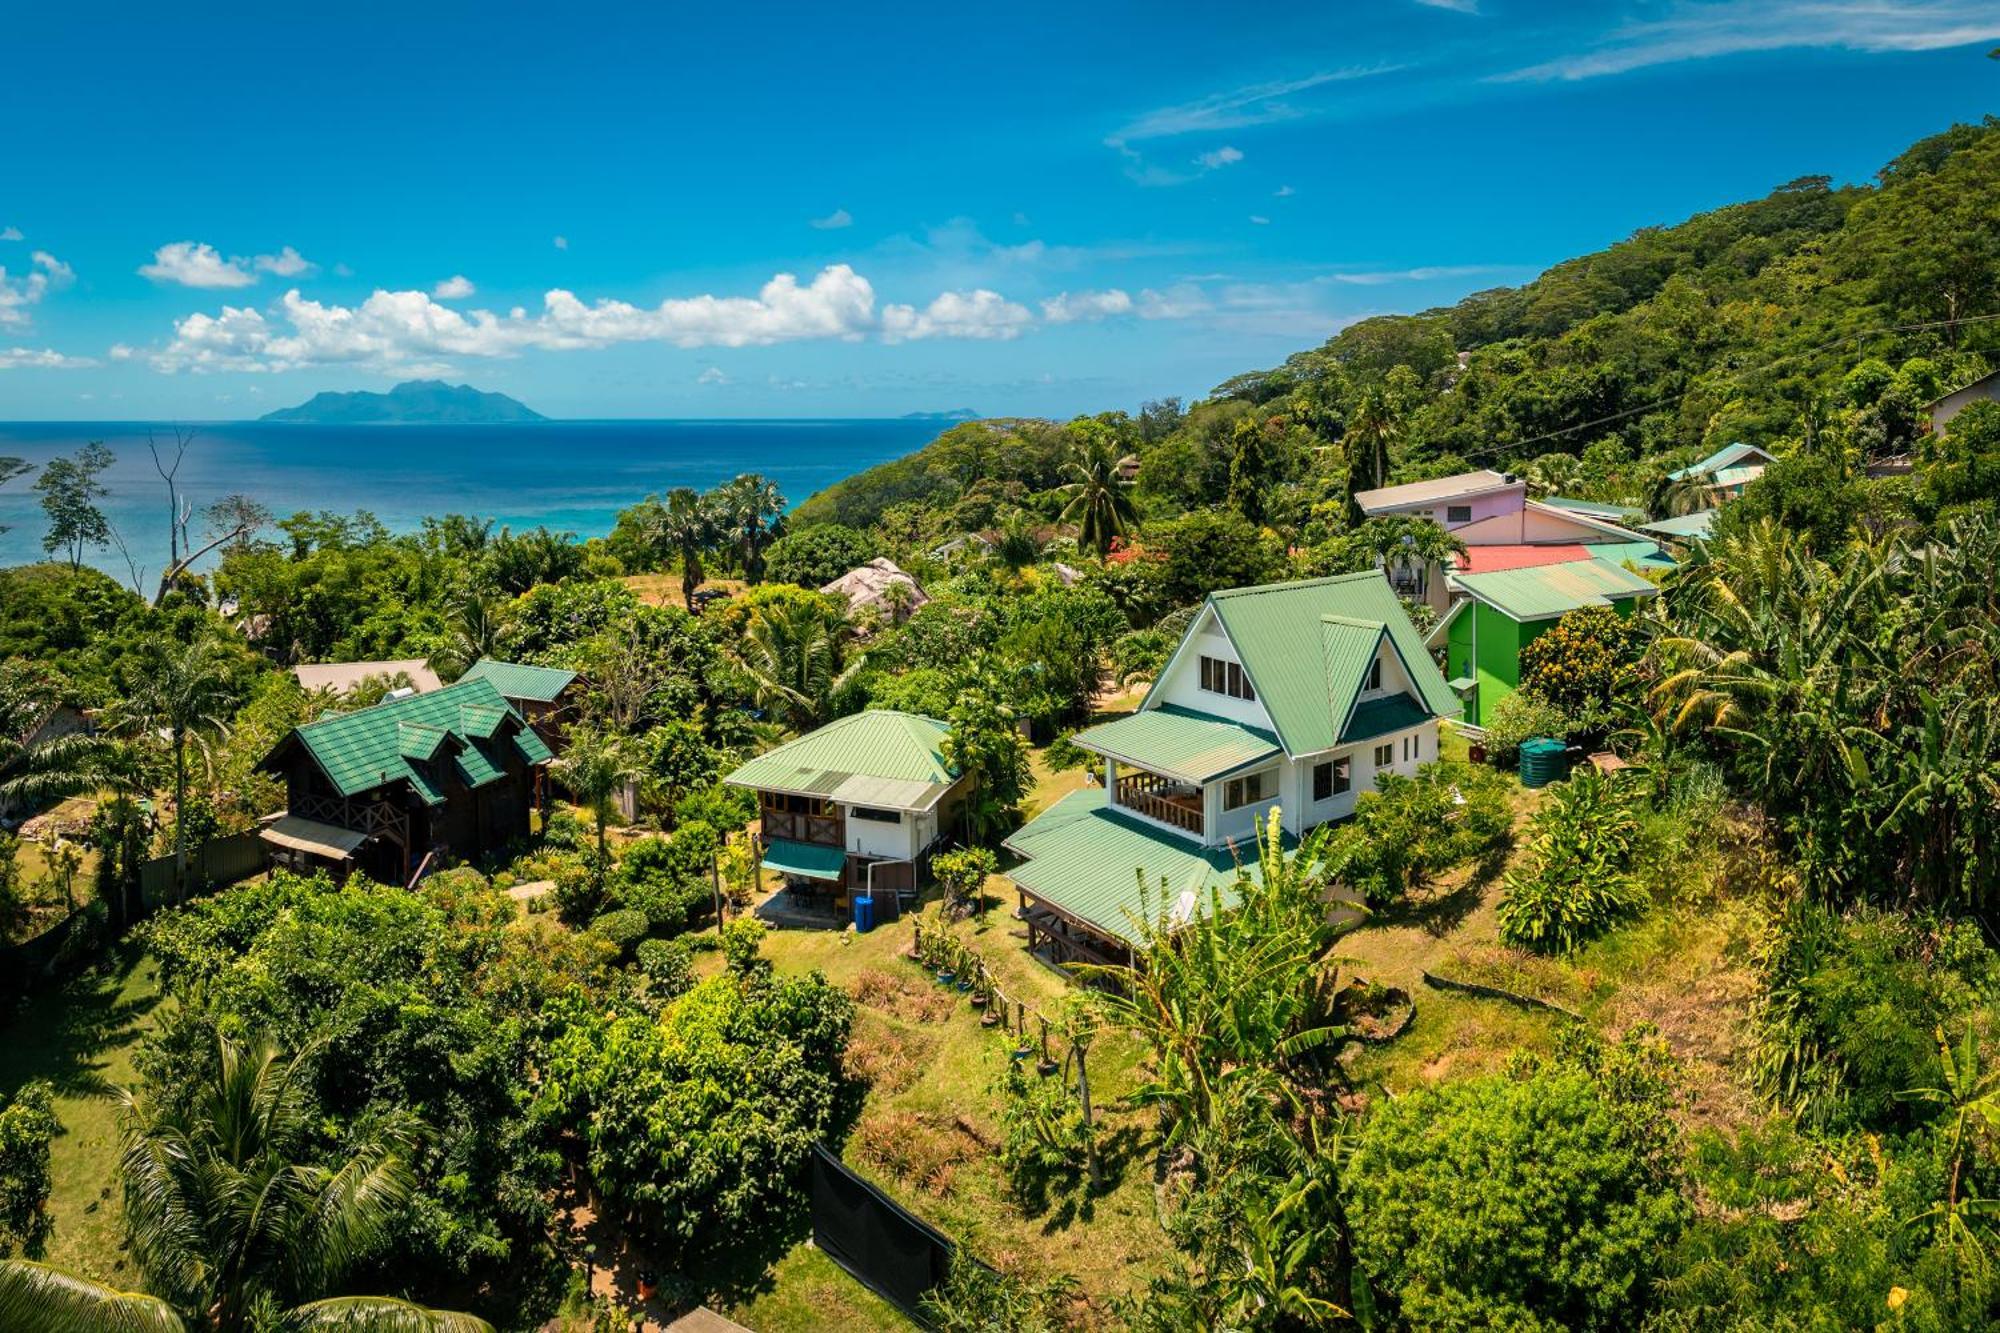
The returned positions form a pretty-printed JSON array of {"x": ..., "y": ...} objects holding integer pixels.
[
  {"x": 1088, "y": 860},
  {"x": 1180, "y": 742},
  {"x": 1553, "y": 590},
  {"x": 516, "y": 680},
  {"x": 880, "y": 743},
  {"x": 363, "y": 749},
  {"x": 1698, "y": 524},
  {"x": 1431, "y": 492}
]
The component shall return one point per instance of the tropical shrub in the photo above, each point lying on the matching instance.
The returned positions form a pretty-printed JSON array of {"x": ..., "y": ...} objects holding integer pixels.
[
  {"x": 1540, "y": 1199},
  {"x": 668, "y": 965},
  {"x": 624, "y": 927},
  {"x": 1586, "y": 658},
  {"x": 1411, "y": 829},
  {"x": 975, "y": 1299},
  {"x": 1522, "y": 715},
  {"x": 27, "y": 1126},
  {"x": 1062, "y": 754},
  {"x": 1045, "y": 1146},
  {"x": 815, "y": 556},
  {"x": 670, "y": 881},
  {"x": 1576, "y": 878},
  {"x": 962, "y": 874},
  {"x": 1850, "y": 1007}
]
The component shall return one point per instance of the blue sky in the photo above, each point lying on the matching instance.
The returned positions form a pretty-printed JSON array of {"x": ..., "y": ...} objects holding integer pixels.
[{"x": 749, "y": 210}]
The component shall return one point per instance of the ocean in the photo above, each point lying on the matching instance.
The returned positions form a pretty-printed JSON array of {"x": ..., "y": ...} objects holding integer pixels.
[{"x": 572, "y": 476}]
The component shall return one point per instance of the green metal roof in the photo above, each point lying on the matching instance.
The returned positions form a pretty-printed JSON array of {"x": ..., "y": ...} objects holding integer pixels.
[
  {"x": 515, "y": 680},
  {"x": 1379, "y": 717},
  {"x": 1088, "y": 860},
  {"x": 366, "y": 748},
  {"x": 1697, "y": 524},
  {"x": 807, "y": 860},
  {"x": 1180, "y": 742},
  {"x": 419, "y": 740},
  {"x": 1737, "y": 476},
  {"x": 1593, "y": 508},
  {"x": 1727, "y": 455},
  {"x": 1646, "y": 555},
  {"x": 881, "y": 757},
  {"x": 1307, "y": 645},
  {"x": 1544, "y": 592}
]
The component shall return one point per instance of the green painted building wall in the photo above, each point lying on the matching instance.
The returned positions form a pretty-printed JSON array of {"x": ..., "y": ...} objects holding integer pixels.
[{"x": 1495, "y": 641}]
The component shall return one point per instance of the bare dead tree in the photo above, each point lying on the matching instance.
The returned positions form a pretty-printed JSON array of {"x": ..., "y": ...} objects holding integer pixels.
[
  {"x": 177, "y": 516},
  {"x": 132, "y": 566}
]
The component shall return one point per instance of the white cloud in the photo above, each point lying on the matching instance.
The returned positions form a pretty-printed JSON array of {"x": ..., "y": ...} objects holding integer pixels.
[
  {"x": 712, "y": 375},
  {"x": 976, "y": 314},
  {"x": 1220, "y": 157},
  {"x": 1181, "y": 301},
  {"x": 455, "y": 288},
  {"x": 122, "y": 352},
  {"x": 196, "y": 264},
  {"x": 27, "y": 358},
  {"x": 1081, "y": 307},
  {"x": 342, "y": 271},
  {"x": 287, "y": 263},
  {"x": 833, "y": 221},
  {"x": 1455, "y": 6},
  {"x": 47, "y": 274},
  {"x": 562, "y": 242},
  {"x": 10, "y": 234},
  {"x": 1700, "y": 31},
  {"x": 1260, "y": 220},
  {"x": 1283, "y": 192},
  {"x": 399, "y": 331},
  {"x": 1427, "y": 273},
  {"x": 1254, "y": 104}
]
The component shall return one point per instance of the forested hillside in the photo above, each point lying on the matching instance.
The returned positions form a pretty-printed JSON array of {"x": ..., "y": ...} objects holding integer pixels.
[{"x": 1604, "y": 373}]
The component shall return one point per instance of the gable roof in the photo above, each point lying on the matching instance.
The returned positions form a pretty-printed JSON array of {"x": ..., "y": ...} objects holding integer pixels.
[
  {"x": 1549, "y": 591},
  {"x": 1727, "y": 456},
  {"x": 516, "y": 680},
  {"x": 1486, "y": 559},
  {"x": 467, "y": 724},
  {"x": 1698, "y": 524},
  {"x": 1589, "y": 523},
  {"x": 1594, "y": 508},
  {"x": 1306, "y": 647},
  {"x": 1435, "y": 491},
  {"x": 881, "y": 757}
]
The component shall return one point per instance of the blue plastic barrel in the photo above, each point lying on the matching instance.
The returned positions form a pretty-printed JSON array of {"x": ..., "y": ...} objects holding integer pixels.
[{"x": 864, "y": 912}]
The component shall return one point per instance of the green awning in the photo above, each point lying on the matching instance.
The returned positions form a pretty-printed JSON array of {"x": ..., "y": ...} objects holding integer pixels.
[{"x": 805, "y": 859}]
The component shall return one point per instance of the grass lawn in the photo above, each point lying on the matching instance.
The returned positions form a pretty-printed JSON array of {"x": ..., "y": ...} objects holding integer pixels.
[{"x": 80, "y": 1037}]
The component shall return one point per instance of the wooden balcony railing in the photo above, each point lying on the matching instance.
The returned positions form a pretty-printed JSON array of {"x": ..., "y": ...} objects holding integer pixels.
[
  {"x": 370, "y": 817},
  {"x": 820, "y": 830},
  {"x": 1163, "y": 799}
]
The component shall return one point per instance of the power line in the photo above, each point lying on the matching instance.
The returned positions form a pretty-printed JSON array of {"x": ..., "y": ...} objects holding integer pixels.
[{"x": 1742, "y": 370}]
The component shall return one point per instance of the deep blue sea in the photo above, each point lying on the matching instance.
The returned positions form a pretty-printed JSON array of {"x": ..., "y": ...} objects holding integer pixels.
[{"x": 573, "y": 476}]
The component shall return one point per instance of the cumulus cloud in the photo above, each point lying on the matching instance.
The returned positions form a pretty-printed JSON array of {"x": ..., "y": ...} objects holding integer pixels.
[
  {"x": 975, "y": 314},
  {"x": 10, "y": 234},
  {"x": 196, "y": 264},
  {"x": 1220, "y": 157},
  {"x": 833, "y": 221},
  {"x": 712, "y": 375},
  {"x": 287, "y": 263},
  {"x": 394, "y": 331},
  {"x": 455, "y": 288},
  {"x": 28, "y": 358},
  {"x": 46, "y": 274},
  {"x": 1082, "y": 307},
  {"x": 122, "y": 352}
]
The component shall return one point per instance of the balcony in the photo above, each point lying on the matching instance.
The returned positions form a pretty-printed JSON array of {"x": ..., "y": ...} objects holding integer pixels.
[{"x": 1173, "y": 803}]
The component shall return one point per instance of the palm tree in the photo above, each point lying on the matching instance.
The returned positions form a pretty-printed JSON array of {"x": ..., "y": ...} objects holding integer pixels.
[
  {"x": 183, "y": 690},
  {"x": 231, "y": 1229},
  {"x": 36, "y": 768},
  {"x": 794, "y": 654},
  {"x": 1098, "y": 504},
  {"x": 689, "y": 525},
  {"x": 594, "y": 766},
  {"x": 1402, "y": 543},
  {"x": 473, "y": 633},
  {"x": 754, "y": 510},
  {"x": 1373, "y": 432}
]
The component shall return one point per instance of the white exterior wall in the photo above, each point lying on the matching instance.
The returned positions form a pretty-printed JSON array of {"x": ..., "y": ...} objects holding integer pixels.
[
  {"x": 1422, "y": 741},
  {"x": 1240, "y": 825},
  {"x": 1181, "y": 684},
  {"x": 868, "y": 837}
]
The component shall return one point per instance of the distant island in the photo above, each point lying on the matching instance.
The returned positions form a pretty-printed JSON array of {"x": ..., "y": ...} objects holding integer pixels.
[
  {"x": 413, "y": 403},
  {"x": 955, "y": 414}
]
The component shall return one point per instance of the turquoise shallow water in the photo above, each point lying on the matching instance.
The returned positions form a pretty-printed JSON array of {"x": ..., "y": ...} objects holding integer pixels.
[{"x": 571, "y": 475}]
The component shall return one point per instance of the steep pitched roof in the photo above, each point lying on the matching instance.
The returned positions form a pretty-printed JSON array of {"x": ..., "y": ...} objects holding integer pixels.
[
  {"x": 1434, "y": 491},
  {"x": 1306, "y": 647},
  {"x": 1727, "y": 456},
  {"x": 880, "y": 757},
  {"x": 403, "y": 740},
  {"x": 1553, "y": 590},
  {"x": 516, "y": 680}
]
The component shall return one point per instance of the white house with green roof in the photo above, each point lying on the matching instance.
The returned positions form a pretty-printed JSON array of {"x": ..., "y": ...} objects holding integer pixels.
[
  {"x": 1289, "y": 695},
  {"x": 859, "y": 803}
]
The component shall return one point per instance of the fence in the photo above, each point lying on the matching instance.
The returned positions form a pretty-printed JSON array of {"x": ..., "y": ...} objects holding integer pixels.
[
  {"x": 888, "y": 1249},
  {"x": 54, "y": 952}
]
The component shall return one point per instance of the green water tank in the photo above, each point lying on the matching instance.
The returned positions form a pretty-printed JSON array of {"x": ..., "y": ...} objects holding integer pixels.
[{"x": 1543, "y": 760}]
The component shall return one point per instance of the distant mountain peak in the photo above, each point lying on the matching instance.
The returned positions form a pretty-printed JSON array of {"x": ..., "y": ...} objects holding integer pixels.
[{"x": 413, "y": 402}]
